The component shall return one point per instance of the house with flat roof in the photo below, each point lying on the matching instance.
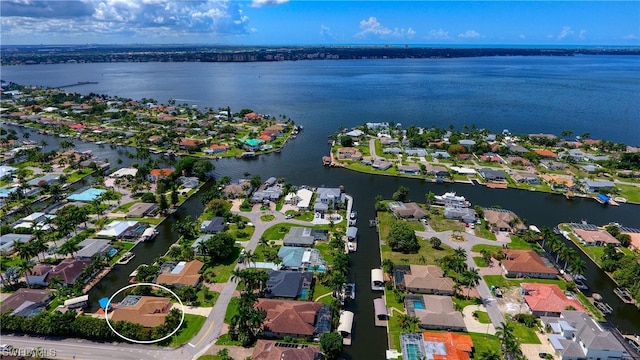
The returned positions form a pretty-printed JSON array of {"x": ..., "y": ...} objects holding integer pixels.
[
  {"x": 503, "y": 220},
  {"x": 273, "y": 350},
  {"x": 465, "y": 214},
  {"x": 294, "y": 318},
  {"x": 213, "y": 226},
  {"x": 492, "y": 174},
  {"x": 547, "y": 299},
  {"x": 424, "y": 279},
  {"x": 436, "y": 346},
  {"x": 90, "y": 247},
  {"x": 141, "y": 210},
  {"x": 7, "y": 241},
  {"x": 180, "y": 273},
  {"x": 148, "y": 311},
  {"x": 435, "y": 312},
  {"x": 406, "y": 210},
  {"x": 575, "y": 335},
  {"x": 289, "y": 284},
  {"x": 595, "y": 237},
  {"x": 527, "y": 263},
  {"x": 27, "y": 302}
]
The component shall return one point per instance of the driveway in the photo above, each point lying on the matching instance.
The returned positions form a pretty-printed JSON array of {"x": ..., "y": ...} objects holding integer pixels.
[{"x": 474, "y": 325}]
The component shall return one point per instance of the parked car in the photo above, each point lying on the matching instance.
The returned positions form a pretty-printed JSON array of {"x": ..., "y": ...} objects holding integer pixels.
[
  {"x": 6, "y": 347},
  {"x": 543, "y": 355}
]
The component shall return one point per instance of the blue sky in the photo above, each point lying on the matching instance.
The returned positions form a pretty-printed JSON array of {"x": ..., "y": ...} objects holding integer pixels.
[{"x": 299, "y": 22}]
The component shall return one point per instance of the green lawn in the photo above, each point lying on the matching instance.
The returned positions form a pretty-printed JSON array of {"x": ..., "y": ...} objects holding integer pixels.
[
  {"x": 206, "y": 297},
  {"x": 190, "y": 327},
  {"x": 479, "y": 261},
  {"x": 439, "y": 224},
  {"x": 482, "y": 317},
  {"x": 595, "y": 313},
  {"x": 319, "y": 290},
  {"x": 126, "y": 207},
  {"x": 232, "y": 309},
  {"x": 483, "y": 232},
  {"x": 484, "y": 342},
  {"x": 278, "y": 231},
  {"x": 500, "y": 281},
  {"x": 267, "y": 217},
  {"x": 630, "y": 192},
  {"x": 524, "y": 334},
  {"x": 241, "y": 234},
  {"x": 463, "y": 302},
  {"x": 221, "y": 272},
  {"x": 425, "y": 256},
  {"x": 224, "y": 339},
  {"x": 325, "y": 251}
]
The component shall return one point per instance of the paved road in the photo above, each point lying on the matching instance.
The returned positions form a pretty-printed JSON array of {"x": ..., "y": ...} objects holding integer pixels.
[{"x": 485, "y": 294}]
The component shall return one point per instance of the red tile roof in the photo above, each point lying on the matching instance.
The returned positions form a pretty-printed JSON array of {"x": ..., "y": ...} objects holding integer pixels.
[
  {"x": 548, "y": 298},
  {"x": 458, "y": 346},
  {"x": 525, "y": 261},
  {"x": 160, "y": 173},
  {"x": 288, "y": 316},
  {"x": 270, "y": 350}
]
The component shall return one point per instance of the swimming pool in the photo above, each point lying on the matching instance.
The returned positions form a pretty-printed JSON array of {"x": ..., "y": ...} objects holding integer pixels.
[
  {"x": 87, "y": 195},
  {"x": 412, "y": 352},
  {"x": 304, "y": 293},
  {"x": 140, "y": 229},
  {"x": 418, "y": 304},
  {"x": 112, "y": 252}
]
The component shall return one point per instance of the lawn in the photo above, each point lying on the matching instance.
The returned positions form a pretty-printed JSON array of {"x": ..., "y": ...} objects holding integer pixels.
[
  {"x": 630, "y": 192},
  {"x": 222, "y": 271},
  {"x": 482, "y": 317},
  {"x": 595, "y": 313},
  {"x": 224, "y": 339},
  {"x": 479, "y": 261},
  {"x": 190, "y": 327},
  {"x": 463, "y": 302},
  {"x": 387, "y": 219},
  {"x": 524, "y": 334},
  {"x": 125, "y": 207},
  {"x": 241, "y": 234},
  {"x": 319, "y": 290},
  {"x": 500, "y": 281},
  {"x": 425, "y": 256},
  {"x": 206, "y": 297},
  {"x": 439, "y": 224},
  {"x": 485, "y": 342},
  {"x": 325, "y": 251},
  {"x": 232, "y": 309},
  {"x": 483, "y": 232},
  {"x": 278, "y": 231},
  {"x": 267, "y": 217}
]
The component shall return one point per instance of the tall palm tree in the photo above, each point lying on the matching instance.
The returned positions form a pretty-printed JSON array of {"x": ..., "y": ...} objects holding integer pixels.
[
  {"x": 461, "y": 253},
  {"x": 558, "y": 248},
  {"x": 408, "y": 323},
  {"x": 567, "y": 255},
  {"x": 24, "y": 269},
  {"x": 489, "y": 354},
  {"x": 577, "y": 266},
  {"x": 471, "y": 278}
]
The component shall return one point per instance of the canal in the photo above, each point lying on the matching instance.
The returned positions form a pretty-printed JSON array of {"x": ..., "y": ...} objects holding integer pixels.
[{"x": 370, "y": 342}]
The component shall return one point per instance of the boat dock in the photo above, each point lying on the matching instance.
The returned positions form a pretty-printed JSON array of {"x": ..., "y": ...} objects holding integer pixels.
[{"x": 624, "y": 295}]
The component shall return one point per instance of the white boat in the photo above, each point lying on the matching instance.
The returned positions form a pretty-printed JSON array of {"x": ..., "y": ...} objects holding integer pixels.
[
  {"x": 149, "y": 234},
  {"x": 126, "y": 258},
  {"x": 451, "y": 199}
]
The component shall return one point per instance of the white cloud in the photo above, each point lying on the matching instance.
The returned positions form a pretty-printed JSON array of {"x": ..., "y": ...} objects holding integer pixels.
[
  {"x": 522, "y": 36},
  {"x": 438, "y": 35},
  {"x": 582, "y": 34},
  {"x": 470, "y": 34},
  {"x": 260, "y": 3},
  {"x": 630, "y": 37},
  {"x": 566, "y": 31},
  {"x": 325, "y": 31},
  {"x": 371, "y": 27}
]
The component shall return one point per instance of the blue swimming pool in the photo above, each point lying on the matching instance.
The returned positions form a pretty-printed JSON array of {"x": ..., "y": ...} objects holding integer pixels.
[
  {"x": 418, "y": 304},
  {"x": 112, "y": 252},
  {"x": 304, "y": 293}
]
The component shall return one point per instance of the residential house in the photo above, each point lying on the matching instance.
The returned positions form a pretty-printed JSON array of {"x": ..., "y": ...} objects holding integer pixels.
[
  {"x": 354, "y": 133},
  {"x": 597, "y": 185},
  {"x": 8, "y": 240},
  {"x": 155, "y": 139},
  {"x": 547, "y": 299},
  {"x": 392, "y": 150},
  {"x": 545, "y": 153},
  {"x": 301, "y": 199},
  {"x": 27, "y": 302},
  {"x": 299, "y": 236},
  {"x": 464, "y": 214},
  {"x": 492, "y": 174},
  {"x": 139, "y": 210},
  {"x": 409, "y": 169},
  {"x": 576, "y": 154},
  {"x": 294, "y": 318},
  {"x": 7, "y": 171},
  {"x": 180, "y": 273},
  {"x": 299, "y": 258},
  {"x": 526, "y": 178},
  {"x": 213, "y": 226},
  {"x": 559, "y": 182},
  {"x": 407, "y": 210},
  {"x": 217, "y": 149},
  {"x": 252, "y": 144},
  {"x": 124, "y": 172},
  {"x": 349, "y": 153},
  {"x": 491, "y": 157},
  {"x": 388, "y": 141},
  {"x": 190, "y": 144},
  {"x": 518, "y": 149},
  {"x": 148, "y": 311},
  {"x": 441, "y": 154},
  {"x": 468, "y": 143},
  {"x": 527, "y": 263},
  {"x": 503, "y": 220},
  {"x": 381, "y": 164},
  {"x": 424, "y": 279},
  {"x": 595, "y": 237},
  {"x": 591, "y": 168},
  {"x": 435, "y": 312},
  {"x": 518, "y": 160},
  {"x": 90, "y": 247},
  {"x": 437, "y": 171},
  {"x": 437, "y": 346},
  {"x": 420, "y": 152},
  {"x": 69, "y": 270},
  {"x": 328, "y": 198},
  {"x": 266, "y": 195},
  {"x": 289, "y": 284},
  {"x": 552, "y": 165},
  {"x": 236, "y": 190},
  {"x": 44, "y": 181},
  {"x": 272, "y": 350},
  {"x": 575, "y": 335},
  {"x": 120, "y": 229},
  {"x": 157, "y": 174}
]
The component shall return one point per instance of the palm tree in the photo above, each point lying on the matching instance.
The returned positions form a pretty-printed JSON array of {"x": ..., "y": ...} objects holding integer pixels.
[
  {"x": 567, "y": 254},
  {"x": 577, "y": 266},
  {"x": 558, "y": 248},
  {"x": 56, "y": 282},
  {"x": 24, "y": 269},
  {"x": 489, "y": 354},
  {"x": 471, "y": 278},
  {"x": 508, "y": 341},
  {"x": 250, "y": 257},
  {"x": 263, "y": 241},
  {"x": 461, "y": 253},
  {"x": 408, "y": 323}
]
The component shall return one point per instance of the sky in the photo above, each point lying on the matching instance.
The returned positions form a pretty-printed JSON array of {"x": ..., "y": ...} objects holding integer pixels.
[{"x": 300, "y": 22}]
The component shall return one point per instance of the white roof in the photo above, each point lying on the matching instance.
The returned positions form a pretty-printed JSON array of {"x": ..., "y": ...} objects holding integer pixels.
[
  {"x": 346, "y": 322},
  {"x": 6, "y": 170},
  {"x": 116, "y": 228},
  {"x": 305, "y": 196},
  {"x": 124, "y": 172},
  {"x": 76, "y": 300},
  {"x": 462, "y": 170},
  {"x": 377, "y": 275},
  {"x": 33, "y": 216}
]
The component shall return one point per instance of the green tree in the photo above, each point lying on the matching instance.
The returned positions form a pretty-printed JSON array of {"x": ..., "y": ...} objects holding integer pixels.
[
  {"x": 331, "y": 345},
  {"x": 401, "y": 193},
  {"x": 403, "y": 239},
  {"x": 219, "y": 246},
  {"x": 436, "y": 243}
]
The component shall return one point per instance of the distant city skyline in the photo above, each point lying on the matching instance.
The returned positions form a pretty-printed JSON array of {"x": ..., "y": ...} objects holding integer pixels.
[{"x": 282, "y": 22}]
